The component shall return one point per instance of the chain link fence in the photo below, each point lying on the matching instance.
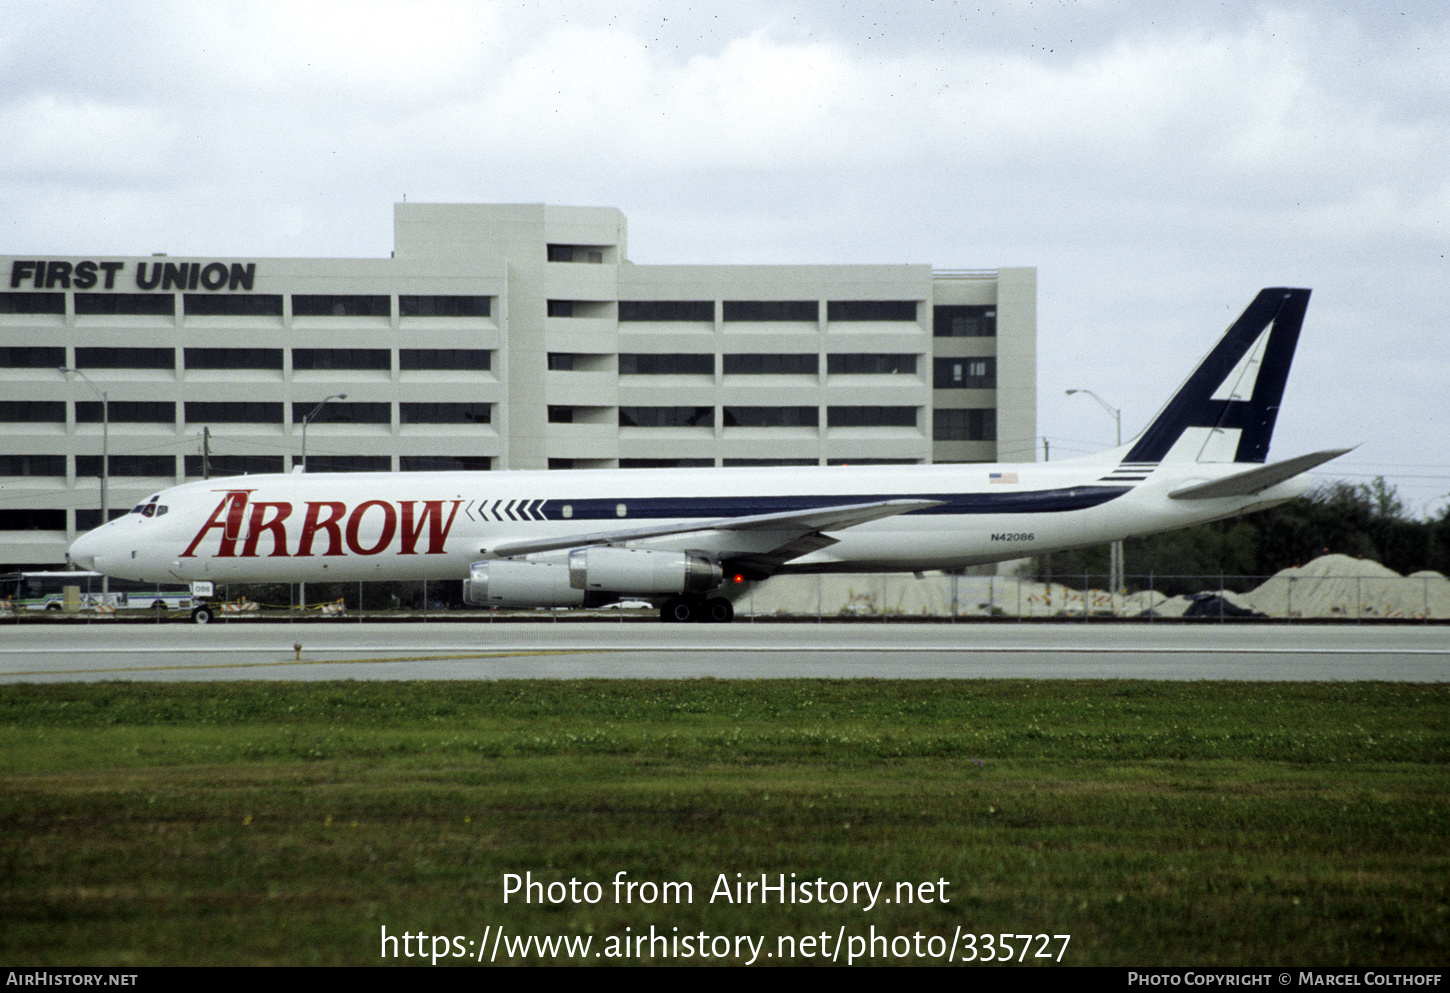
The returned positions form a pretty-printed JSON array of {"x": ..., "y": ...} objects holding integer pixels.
[{"x": 1334, "y": 588}]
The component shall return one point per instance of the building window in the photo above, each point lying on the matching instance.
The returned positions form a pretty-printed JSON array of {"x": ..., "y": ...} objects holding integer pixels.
[
  {"x": 445, "y": 413},
  {"x": 772, "y": 417},
  {"x": 667, "y": 310},
  {"x": 232, "y": 304},
  {"x": 561, "y": 415},
  {"x": 32, "y": 519},
  {"x": 871, "y": 417},
  {"x": 127, "y": 412},
  {"x": 964, "y": 425},
  {"x": 345, "y": 412},
  {"x": 233, "y": 358},
  {"x": 953, "y": 321},
  {"x": 965, "y": 374},
  {"x": 445, "y": 463},
  {"x": 33, "y": 411},
  {"x": 748, "y": 463},
  {"x": 419, "y": 359},
  {"x": 871, "y": 365},
  {"x": 315, "y": 359},
  {"x": 666, "y": 463},
  {"x": 773, "y": 364},
  {"x": 346, "y": 463},
  {"x": 646, "y": 364},
  {"x": 576, "y": 253},
  {"x": 337, "y": 305},
  {"x": 88, "y": 519},
  {"x": 32, "y": 357},
  {"x": 443, "y": 306},
  {"x": 145, "y": 304},
  {"x": 561, "y": 362},
  {"x": 127, "y": 465},
  {"x": 873, "y": 462},
  {"x": 32, "y": 303},
  {"x": 233, "y": 412},
  {"x": 595, "y": 309},
  {"x": 772, "y": 310},
  {"x": 667, "y": 417},
  {"x": 126, "y": 358},
  {"x": 233, "y": 465},
  {"x": 871, "y": 310},
  {"x": 32, "y": 465}
]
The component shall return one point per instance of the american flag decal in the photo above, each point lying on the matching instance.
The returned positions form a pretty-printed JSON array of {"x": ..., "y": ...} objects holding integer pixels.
[{"x": 1002, "y": 477}]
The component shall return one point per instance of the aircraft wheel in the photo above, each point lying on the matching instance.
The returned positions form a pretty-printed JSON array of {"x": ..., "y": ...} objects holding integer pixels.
[
  {"x": 718, "y": 610},
  {"x": 678, "y": 611},
  {"x": 201, "y": 615}
]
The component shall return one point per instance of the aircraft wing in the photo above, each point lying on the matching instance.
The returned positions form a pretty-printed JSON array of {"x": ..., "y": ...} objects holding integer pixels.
[
  {"x": 765, "y": 538},
  {"x": 1254, "y": 480}
]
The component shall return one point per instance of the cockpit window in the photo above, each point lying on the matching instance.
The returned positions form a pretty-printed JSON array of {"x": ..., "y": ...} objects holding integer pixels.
[
  {"x": 149, "y": 510},
  {"x": 161, "y": 510},
  {"x": 139, "y": 508}
]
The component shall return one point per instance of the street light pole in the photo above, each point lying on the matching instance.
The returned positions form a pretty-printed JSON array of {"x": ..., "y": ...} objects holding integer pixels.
[
  {"x": 1115, "y": 550},
  {"x": 105, "y": 450},
  {"x": 308, "y": 420},
  {"x": 1117, "y": 414}
]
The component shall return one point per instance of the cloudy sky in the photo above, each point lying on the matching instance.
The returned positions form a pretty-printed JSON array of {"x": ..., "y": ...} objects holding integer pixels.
[{"x": 1157, "y": 162}]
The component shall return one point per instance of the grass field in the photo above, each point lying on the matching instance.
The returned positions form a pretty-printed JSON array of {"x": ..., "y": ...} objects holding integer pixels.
[{"x": 1155, "y": 823}]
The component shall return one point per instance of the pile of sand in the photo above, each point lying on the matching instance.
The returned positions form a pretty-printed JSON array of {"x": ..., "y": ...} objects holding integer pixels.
[
  {"x": 1178, "y": 606},
  {"x": 858, "y": 595},
  {"x": 1332, "y": 586},
  {"x": 872, "y": 595},
  {"x": 1340, "y": 586}
]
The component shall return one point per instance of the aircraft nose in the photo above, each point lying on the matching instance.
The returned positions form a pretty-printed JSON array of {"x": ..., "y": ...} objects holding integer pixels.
[{"x": 85, "y": 549}]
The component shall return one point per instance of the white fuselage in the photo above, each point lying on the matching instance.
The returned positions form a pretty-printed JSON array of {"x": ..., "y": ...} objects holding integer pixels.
[{"x": 408, "y": 526}]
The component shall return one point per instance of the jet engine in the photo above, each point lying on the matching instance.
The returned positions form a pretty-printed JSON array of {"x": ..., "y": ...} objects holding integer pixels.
[
  {"x": 642, "y": 571},
  {"x": 592, "y": 576},
  {"x": 506, "y": 583}
]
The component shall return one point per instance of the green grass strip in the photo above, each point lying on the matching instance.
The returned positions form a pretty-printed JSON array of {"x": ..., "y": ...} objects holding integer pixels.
[{"x": 1157, "y": 823}]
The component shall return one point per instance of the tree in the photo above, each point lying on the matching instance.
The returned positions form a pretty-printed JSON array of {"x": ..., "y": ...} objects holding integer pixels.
[{"x": 1361, "y": 520}]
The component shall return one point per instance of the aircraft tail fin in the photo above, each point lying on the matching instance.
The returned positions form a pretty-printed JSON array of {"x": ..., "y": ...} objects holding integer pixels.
[{"x": 1226, "y": 409}]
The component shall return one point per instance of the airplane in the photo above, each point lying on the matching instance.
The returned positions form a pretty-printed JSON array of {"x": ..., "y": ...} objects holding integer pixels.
[{"x": 681, "y": 538}]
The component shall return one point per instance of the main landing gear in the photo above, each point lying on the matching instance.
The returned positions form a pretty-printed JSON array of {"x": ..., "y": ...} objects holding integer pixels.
[{"x": 715, "y": 610}]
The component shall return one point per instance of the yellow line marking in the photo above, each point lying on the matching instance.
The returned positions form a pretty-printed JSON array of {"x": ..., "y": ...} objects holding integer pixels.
[{"x": 292, "y": 662}]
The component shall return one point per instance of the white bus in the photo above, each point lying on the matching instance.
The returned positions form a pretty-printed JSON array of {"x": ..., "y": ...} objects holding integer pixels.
[{"x": 46, "y": 591}]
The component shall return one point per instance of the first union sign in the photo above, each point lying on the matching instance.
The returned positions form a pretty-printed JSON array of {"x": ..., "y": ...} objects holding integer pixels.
[{"x": 63, "y": 274}]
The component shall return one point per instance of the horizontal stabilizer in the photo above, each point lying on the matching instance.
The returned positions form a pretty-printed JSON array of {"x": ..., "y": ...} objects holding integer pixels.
[{"x": 1257, "y": 479}]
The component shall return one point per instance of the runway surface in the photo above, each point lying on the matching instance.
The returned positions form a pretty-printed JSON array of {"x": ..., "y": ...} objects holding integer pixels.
[{"x": 182, "y": 652}]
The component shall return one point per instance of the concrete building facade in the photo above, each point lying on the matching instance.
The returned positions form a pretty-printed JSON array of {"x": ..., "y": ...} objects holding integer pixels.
[{"x": 495, "y": 337}]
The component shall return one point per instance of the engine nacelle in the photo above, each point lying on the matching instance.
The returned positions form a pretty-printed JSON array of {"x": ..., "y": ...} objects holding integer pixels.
[
  {"x": 642, "y": 571},
  {"x": 506, "y": 583}
]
